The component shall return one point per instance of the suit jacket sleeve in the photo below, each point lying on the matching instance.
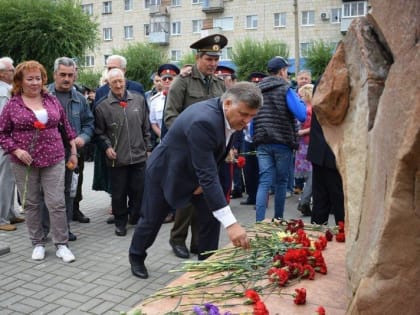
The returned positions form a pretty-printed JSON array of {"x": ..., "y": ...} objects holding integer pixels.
[{"x": 204, "y": 142}]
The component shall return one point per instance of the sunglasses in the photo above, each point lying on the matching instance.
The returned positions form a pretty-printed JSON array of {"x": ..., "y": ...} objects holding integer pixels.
[{"x": 167, "y": 79}]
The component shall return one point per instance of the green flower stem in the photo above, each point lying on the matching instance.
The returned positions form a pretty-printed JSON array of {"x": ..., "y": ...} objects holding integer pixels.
[{"x": 25, "y": 186}]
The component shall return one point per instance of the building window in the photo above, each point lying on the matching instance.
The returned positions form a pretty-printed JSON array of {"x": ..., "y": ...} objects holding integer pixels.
[
  {"x": 196, "y": 1},
  {"x": 146, "y": 29},
  {"x": 353, "y": 9},
  {"x": 107, "y": 33},
  {"x": 176, "y": 28},
  {"x": 175, "y": 3},
  {"x": 304, "y": 49},
  {"x": 226, "y": 53},
  {"x": 251, "y": 21},
  {"x": 151, "y": 3},
  {"x": 336, "y": 15},
  {"x": 105, "y": 59},
  {"x": 280, "y": 19},
  {"x": 308, "y": 17},
  {"x": 175, "y": 55},
  {"x": 128, "y": 5},
  {"x": 88, "y": 8},
  {"x": 197, "y": 25},
  {"x": 89, "y": 61},
  {"x": 225, "y": 24},
  {"x": 107, "y": 7},
  {"x": 128, "y": 32}
]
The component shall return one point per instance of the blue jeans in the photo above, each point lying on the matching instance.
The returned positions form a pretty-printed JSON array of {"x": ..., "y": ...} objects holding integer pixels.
[{"x": 273, "y": 161}]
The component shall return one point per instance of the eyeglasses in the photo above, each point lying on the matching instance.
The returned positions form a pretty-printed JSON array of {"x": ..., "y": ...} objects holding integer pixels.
[{"x": 167, "y": 79}]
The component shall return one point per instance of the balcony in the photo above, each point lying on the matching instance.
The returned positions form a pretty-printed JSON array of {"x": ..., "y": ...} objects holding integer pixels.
[
  {"x": 159, "y": 38},
  {"x": 213, "y": 6},
  {"x": 158, "y": 10}
]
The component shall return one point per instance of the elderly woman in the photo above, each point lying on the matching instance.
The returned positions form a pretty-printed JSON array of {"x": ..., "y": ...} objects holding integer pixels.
[
  {"x": 303, "y": 167},
  {"x": 29, "y": 133}
]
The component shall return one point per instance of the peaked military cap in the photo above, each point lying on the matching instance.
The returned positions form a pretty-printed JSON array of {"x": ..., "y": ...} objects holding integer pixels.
[
  {"x": 210, "y": 45},
  {"x": 168, "y": 69},
  {"x": 256, "y": 77}
]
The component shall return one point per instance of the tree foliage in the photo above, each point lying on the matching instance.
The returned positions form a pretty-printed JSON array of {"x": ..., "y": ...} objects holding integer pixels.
[
  {"x": 319, "y": 55},
  {"x": 250, "y": 55},
  {"x": 44, "y": 30},
  {"x": 143, "y": 60},
  {"x": 89, "y": 78},
  {"x": 187, "y": 59}
]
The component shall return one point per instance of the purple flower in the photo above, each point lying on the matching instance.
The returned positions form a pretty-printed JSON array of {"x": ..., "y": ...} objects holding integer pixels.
[
  {"x": 212, "y": 309},
  {"x": 198, "y": 311}
]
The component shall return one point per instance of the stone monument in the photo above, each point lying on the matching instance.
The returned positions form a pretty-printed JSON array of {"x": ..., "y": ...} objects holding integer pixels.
[{"x": 368, "y": 103}]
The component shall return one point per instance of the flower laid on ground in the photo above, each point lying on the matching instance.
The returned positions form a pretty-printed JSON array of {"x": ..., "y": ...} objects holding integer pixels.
[
  {"x": 340, "y": 236},
  {"x": 300, "y": 296},
  {"x": 208, "y": 309},
  {"x": 282, "y": 253},
  {"x": 254, "y": 298},
  {"x": 38, "y": 127},
  {"x": 320, "y": 311}
]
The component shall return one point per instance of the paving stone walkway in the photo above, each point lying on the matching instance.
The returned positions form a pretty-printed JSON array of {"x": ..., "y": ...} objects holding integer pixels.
[{"x": 99, "y": 281}]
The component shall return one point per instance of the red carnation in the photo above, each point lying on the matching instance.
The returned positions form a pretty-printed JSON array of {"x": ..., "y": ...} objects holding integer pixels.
[
  {"x": 252, "y": 295},
  {"x": 329, "y": 235},
  {"x": 320, "y": 310},
  {"x": 340, "y": 237},
  {"x": 300, "y": 296},
  {"x": 260, "y": 308},
  {"x": 39, "y": 125},
  {"x": 123, "y": 104},
  {"x": 240, "y": 161}
]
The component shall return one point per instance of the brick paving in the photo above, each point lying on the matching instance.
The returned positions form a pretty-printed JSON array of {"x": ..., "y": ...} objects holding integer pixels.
[{"x": 99, "y": 281}]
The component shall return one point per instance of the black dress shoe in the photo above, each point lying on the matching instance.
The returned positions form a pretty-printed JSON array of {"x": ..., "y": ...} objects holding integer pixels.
[
  {"x": 247, "y": 202},
  {"x": 110, "y": 220},
  {"x": 194, "y": 250},
  {"x": 235, "y": 194},
  {"x": 120, "y": 231},
  {"x": 79, "y": 216},
  {"x": 180, "y": 251},
  {"x": 72, "y": 237},
  {"x": 305, "y": 209},
  {"x": 138, "y": 269}
]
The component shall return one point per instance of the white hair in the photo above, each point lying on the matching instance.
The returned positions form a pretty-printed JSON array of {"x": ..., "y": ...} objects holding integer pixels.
[
  {"x": 113, "y": 73},
  {"x": 4, "y": 61},
  {"x": 122, "y": 60}
]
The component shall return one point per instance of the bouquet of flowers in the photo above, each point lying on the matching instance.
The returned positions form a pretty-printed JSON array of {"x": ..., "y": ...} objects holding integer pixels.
[{"x": 282, "y": 253}]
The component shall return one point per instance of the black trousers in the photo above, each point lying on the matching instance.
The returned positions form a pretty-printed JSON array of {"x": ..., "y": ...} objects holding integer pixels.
[
  {"x": 154, "y": 210},
  {"x": 127, "y": 184},
  {"x": 327, "y": 194},
  {"x": 250, "y": 171}
]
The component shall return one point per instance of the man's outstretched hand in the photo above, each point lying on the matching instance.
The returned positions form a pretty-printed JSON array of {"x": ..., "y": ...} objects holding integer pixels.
[{"x": 237, "y": 235}]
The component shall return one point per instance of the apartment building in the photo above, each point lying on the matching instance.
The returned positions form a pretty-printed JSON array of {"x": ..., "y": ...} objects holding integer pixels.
[{"x": 175, "y": 24}]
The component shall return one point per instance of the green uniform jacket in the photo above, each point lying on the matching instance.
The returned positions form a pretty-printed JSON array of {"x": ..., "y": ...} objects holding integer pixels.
[{"x": 190, "y": 89}]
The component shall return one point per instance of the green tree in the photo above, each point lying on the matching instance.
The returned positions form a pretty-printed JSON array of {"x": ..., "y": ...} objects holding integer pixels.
[
  {"x": 142, "y": 60},
  {"x": 187, "y": 59},
  {"x": 250, "y": 55},
  {"x": 89, "y": 78},
  {"x": 44, "y": 30},
  {"x": 319, "y": 55}
]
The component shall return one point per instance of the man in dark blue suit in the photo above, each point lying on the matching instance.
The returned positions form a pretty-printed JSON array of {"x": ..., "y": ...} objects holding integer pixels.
[{"x": 183, "y": 169}]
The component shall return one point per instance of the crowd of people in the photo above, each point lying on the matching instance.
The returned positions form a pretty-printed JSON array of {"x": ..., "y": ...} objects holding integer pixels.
[{"x": 166, "y": 155}]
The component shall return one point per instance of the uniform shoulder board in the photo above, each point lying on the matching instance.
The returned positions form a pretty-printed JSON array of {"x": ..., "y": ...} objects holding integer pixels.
[{"x": 185, "y": 74}]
